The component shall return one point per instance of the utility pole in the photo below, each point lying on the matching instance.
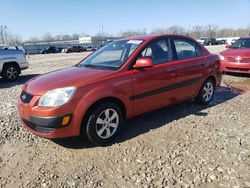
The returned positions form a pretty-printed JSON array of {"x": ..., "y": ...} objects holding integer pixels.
[
  {"x": 6, "y": 40},
  {"x": 2, "y": 37},
  {"x": 4, "y": 34},
  {"x": 102, "y": 33}
]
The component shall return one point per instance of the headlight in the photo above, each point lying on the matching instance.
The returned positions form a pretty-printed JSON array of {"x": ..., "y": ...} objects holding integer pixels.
[
  {"x": 222, "y": 58},
  {"x": 57, "y": 97}
]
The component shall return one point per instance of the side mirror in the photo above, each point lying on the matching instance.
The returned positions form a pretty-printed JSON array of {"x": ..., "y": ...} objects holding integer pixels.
[
  {"x": 227, "y": 46},
  {"x": 143, "y": 63}
]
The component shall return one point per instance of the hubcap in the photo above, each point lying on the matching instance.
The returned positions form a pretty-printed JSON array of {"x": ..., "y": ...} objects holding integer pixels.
[
  {"x": 12, "y": 73},
  {"x": 107, "y": 123},
  {"x": 208, "y": 91}
]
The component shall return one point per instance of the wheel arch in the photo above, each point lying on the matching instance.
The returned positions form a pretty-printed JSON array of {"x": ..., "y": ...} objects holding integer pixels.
[
  {"x": 116, "y": 100},
  {"x": 212, "y": 77}
]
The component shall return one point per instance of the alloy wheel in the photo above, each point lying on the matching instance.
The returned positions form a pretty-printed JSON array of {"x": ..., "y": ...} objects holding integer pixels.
[
  {"x": 208, "y": 91},
  {"x": 12, "y": 73},
  {"x": 107, "y": 123}
]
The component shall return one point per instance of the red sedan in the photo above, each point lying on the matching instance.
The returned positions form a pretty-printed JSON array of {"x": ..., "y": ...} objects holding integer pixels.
[
  {"x": 121, "y": 80},
  {"x": 236, "y": 58}
]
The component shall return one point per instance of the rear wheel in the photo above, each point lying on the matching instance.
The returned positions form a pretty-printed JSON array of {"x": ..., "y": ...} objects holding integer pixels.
[
  {"x": 10, "y": 72},
  {"x": 206, "y": 92},
  {"x": 103, "y": 123}
]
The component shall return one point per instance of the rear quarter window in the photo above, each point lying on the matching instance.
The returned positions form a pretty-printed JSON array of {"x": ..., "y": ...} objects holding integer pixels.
[{"x": 186, "y": 49}]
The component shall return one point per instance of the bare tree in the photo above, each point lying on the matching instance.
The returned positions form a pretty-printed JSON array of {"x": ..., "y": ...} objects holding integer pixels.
[
  {"x": 14, "y": 39},
  {"x": 34, "y": 39},
  {"x": 130, "y": 33},
  {"x": 66, "y": 37},
  {"x": 211, "y": 30},
  {"x": 75, "y": 36},
  {"x": 159, "y": 30},
  {"x": 47, "y": 37},
  {"x": 197, "y": 31},
  {"x": 176, "y": 29}
]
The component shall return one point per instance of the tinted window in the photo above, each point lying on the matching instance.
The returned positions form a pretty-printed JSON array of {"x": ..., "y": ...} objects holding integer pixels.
[
  {"x": 186, "y": 49},
  {"x": 158, "y": 51}
]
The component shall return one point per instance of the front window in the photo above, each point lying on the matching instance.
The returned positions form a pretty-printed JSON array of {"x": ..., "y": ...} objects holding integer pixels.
[
  {"x": 112, "y": 56},
  {"x": 241, "y": 43},
  {"x": 158, "y": 51}
]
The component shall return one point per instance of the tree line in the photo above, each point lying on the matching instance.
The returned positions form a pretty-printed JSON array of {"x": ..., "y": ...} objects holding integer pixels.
[{"x": 196, "y": 31}]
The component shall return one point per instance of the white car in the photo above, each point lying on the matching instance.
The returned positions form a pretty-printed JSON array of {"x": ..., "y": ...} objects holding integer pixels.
[
  {"x": 89, "y": 48},
  {"x": 11, "y": 64}
]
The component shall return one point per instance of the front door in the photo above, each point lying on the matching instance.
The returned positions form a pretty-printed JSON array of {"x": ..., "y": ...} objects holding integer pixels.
[{"x": 150, "y": 85}]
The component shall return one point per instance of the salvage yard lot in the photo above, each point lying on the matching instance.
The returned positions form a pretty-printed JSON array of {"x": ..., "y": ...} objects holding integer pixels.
[{"x": 186, "y": 144}]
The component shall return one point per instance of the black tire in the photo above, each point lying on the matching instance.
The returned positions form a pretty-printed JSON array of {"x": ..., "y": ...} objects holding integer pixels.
[
  {"x": 206, "y": 92},
  {"x": 90, "y": 127},
  {"x": 10, "y": 72}
]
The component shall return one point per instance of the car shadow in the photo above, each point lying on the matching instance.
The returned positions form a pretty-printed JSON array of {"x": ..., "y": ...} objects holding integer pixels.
[
  {"x": 21, "y": 80},
  {"x": 238, "y": 75},
  {"x": 155, "y": 119}
]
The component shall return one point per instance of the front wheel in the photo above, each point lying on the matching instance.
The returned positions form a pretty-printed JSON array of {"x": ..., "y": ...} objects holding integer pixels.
[
  {"x": 10, "y": 72},
  {"x": 104, "y": 123},
  {"x": 206, "y": 92}
]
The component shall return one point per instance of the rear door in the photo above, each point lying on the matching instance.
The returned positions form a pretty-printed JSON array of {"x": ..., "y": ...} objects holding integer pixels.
[{"x": 189, "y": 65}]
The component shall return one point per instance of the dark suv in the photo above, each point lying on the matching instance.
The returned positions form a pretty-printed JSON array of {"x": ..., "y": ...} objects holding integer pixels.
[
  {"x": 49, "y": 50},
  {"x": 76, "y": 49},
  {"x": 210, "y": 41}
]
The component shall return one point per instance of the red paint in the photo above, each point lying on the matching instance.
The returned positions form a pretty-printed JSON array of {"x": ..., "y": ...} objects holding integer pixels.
[
  {"x": 237, "y": 60},
  {"x": 93, "y": 85}
]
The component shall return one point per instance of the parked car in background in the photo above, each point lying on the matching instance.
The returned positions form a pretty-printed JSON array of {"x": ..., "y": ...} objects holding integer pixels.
[
  {"x": 210, "y": 41},
  {"x": 123, "y": 79},
  {"x": 222, "y": 41},
  {"x": 13, "y": 48},
  {"x": 201, "y": 40},
  {"x": 89, "y": 48},
  {"x": 49, "y": 50},
  {"x": 75, "y": 49},
  {"x": 11, "y": 64},
  {"x": 237, "y": 57}
]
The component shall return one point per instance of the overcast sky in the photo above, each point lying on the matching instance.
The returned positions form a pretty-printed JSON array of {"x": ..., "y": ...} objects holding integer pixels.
[{"x": 36, "y": 17}]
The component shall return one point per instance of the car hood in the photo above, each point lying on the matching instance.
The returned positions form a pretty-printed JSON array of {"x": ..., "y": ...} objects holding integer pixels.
[
  {"x": 72, "y": 76},
  {"x": 242, "y": 52}
]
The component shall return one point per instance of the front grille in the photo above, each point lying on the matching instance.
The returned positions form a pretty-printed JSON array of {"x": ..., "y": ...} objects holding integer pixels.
[
  {"x": 37, "y": 127},
  {"x": 245, "y": 60},
  {"x": 237, "y": 69},
  {"x": 234, "y": 60},
  {"x": 26, "y": 97},
  {"x": 231, "y": 59}
]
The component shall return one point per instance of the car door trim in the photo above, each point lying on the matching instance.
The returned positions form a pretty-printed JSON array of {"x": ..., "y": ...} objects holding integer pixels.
[{"x": 166, "y": 88}]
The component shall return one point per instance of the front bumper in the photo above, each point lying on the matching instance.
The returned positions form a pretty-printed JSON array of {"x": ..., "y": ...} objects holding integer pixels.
[
  {"x": 24, "y": 65},
  {"x": 48, "y": 122},
  {"x": 235, "y": 67}
]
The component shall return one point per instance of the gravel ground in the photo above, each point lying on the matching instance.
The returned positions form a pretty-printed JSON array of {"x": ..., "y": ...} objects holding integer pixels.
[{"x": 185, "y": 145}]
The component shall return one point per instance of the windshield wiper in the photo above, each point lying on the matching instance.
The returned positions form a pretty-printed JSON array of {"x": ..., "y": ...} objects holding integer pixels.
[{"x": 87, "y": 65}]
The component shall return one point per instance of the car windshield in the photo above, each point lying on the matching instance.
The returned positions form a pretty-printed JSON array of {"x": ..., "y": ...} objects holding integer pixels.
[
  {"x": 241, "y": 43},
  {"x": 111, "y": 56}
]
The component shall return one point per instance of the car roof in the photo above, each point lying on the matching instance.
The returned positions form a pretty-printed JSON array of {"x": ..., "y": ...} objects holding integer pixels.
[{"x": 150, "y": 37}]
